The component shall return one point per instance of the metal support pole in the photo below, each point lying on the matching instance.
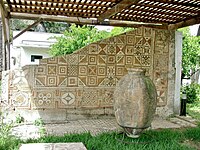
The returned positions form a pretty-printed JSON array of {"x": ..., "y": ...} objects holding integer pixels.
[{"x": 183, "y": 104}]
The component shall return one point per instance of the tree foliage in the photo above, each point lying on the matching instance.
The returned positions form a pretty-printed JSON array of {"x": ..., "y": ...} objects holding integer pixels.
[
  {"x": 55, "y": 27},
  {"x": 49, "y": 27},
  {"x": 191, "y": 52},
  {"x": 77, "y": 37}
]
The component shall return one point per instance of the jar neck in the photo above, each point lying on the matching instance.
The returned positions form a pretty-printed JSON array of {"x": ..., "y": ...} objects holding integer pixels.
[{"x": 136, "y": 71}]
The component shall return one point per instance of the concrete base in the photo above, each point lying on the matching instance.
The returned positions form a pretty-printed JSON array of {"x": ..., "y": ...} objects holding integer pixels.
[
  {"x": 46, "y": 115},
  {"x": 59, "y": 115}
]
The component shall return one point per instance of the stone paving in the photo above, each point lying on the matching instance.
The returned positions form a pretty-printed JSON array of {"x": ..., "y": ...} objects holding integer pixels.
[{"x": 94, "y": 126}]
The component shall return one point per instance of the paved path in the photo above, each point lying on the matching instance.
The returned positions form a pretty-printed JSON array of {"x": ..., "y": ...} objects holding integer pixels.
[{"x": 94, "y": 126}]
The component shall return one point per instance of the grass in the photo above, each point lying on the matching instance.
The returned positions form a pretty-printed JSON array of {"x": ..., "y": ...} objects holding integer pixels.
[
  {"x": 165, "y": 139},
  {"x": 179, "y": 139},
  {"x": 194, "y": 110}
]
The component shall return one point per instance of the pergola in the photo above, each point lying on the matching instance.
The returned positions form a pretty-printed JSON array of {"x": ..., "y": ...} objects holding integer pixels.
[{"x": 163, "y": 14}]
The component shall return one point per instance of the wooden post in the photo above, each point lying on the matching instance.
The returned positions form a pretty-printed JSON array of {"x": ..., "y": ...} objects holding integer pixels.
[
  {"x": 7, "y": 44},
  {"x": 5, "y": 39}
]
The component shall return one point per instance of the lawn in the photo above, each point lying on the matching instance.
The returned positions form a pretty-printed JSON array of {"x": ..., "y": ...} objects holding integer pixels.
[
  {"x": 165, "y": 139},
  {"x": 194, "y": 110},
  {"x": 182, "y": 139}
]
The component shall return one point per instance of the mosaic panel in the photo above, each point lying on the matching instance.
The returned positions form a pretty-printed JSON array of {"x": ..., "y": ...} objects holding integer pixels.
[
  {"x": 106, "y": 96},
  {"x": 5, "y": 89},
  {"x": 90, "y": 98},
  {"x": 43, "y": 99},
  {"x": 18, "y": 79},
  {"x": 67, "y": 99},
  {"x": 20, "y": 99},
  {"x": 162, "y": 41},
  {"x": 87, "y": 77},
  {"x": 161, "y": 61}
]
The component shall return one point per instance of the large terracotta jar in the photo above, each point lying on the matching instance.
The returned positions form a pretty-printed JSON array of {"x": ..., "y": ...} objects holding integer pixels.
[{"x": 135, "y": 102}]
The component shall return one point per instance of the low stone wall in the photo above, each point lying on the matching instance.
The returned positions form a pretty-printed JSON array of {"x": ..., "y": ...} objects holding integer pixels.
[{"x": 83, "y": 83}]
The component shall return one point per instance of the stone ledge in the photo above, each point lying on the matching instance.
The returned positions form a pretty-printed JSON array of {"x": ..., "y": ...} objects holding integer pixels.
[{"x": 53, "y": 146}]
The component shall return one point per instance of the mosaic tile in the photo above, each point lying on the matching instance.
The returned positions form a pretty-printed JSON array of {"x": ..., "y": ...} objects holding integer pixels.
[
  {"x": 52, "y": 69},
  {"x": 41, "y": 70},
  {"x": 92, "y": 60},
  {"x": 51, "y": 81},
  {"x": 62, "y": 70},
  {"x": 83, "y": 59},
  {"x": 90, "y": 99},
  {"x": 72, "y": 81},
  {"x": 72, "y": 70},
  {"x": 52, "y": 60},
  {"x": 43, "y": 99},
  {"x": 20, "y": 99}
]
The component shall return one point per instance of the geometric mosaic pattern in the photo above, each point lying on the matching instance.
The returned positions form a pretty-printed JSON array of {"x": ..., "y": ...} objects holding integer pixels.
[
  {"x": 102, "y": 64},
  {"x": 87, "y": 78}
]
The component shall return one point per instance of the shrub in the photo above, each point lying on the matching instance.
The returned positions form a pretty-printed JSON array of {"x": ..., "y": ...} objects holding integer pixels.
[
  {"x": 39, "y": 122},
  {"x": 19, "y": 119},
  {"x": 192, "y": 91}
]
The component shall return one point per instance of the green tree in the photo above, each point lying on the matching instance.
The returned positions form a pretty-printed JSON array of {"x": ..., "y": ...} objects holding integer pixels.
[
  {"x": 55, "y": 27},
  {"x": 191, "y": 52},
  {"x": 17, "y": 24},
  {"x": 50, "y": 27},
  {"x": 77, "y": 37},
  {"x": 74, "y": 38}
]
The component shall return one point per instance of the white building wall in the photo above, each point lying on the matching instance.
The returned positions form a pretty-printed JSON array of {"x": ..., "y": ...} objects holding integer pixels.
[
  {"x": 26, "y": 53},
  {"x": 30, "y": 43},
  {"x": 194, "y": 29}
]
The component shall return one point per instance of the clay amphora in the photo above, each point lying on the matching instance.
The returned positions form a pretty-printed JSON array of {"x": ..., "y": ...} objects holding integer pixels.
[{"x": 135, "y": 102}]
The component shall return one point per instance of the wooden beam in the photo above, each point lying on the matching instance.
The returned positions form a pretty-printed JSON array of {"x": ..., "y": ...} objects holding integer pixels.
[
  {"x": 83, "y": 21},
  {"x": 29, "y": 27},
  {"x": 178, "y": 3},
  {"x": 117, "y": 8},
  {"x": 184, "y": 23}
]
